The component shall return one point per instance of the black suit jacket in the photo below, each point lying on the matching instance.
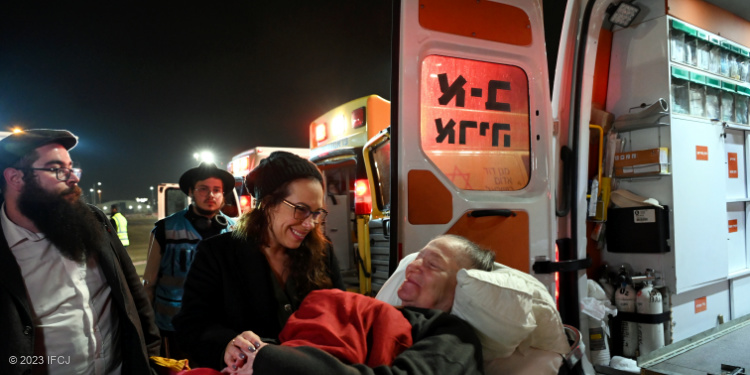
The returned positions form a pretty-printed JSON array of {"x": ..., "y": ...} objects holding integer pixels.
[{"x": 138, "y": 332}]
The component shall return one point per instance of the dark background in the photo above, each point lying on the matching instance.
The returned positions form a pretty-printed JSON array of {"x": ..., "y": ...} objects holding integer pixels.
[{"x": 145, "y": 85}]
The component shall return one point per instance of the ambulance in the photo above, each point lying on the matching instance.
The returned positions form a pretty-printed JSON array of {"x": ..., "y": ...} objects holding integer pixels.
[
  {"x": 514, "y": 123},
  {"x": 336, "y": 141}
]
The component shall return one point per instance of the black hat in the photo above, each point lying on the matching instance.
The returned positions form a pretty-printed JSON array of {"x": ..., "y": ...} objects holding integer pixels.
[
  {"x": 202, "y": 172},
  {"x": 275, "y": 170},
  {"x": 17, "y": 145}
]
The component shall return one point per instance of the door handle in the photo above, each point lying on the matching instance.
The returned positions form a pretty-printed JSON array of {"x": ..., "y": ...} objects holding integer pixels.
[{"x": 485, "y": 213}]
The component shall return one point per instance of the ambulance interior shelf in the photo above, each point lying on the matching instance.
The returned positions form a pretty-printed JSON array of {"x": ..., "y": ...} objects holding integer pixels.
[{"x": 655, "y": 115}]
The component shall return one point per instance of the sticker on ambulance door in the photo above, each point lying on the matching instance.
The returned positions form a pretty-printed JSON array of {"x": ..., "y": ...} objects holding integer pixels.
[
  {"x": 475, "y": 122},
  {"x": 734, "y": 171}
]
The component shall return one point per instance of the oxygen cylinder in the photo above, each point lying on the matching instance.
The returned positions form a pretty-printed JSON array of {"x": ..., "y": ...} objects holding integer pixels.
[
  {"x": 605, "y": 281},
  {"x": 625, "y": 302},
  {"x": 598, "y": 331},
  {"x": 609, "y": 289},
  {"x": 649, "y": 302}
]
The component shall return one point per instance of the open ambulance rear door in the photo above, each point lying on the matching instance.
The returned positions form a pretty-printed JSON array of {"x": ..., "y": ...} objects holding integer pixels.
[
  {"x": 473, "y": 129},
  {"x": 476, "y": 136}
]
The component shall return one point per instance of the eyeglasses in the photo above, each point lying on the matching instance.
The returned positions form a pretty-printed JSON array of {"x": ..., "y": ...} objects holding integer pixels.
[
  {"x": 302, "y": 212},
  {"x": 205, "y": 190},
  {"x": 62, "y": 174}
]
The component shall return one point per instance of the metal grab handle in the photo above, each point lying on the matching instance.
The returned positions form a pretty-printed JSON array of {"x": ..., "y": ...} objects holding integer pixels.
[{"x": 485, "y": 213}]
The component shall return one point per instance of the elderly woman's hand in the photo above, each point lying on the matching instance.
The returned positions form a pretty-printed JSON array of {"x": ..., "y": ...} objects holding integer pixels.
[{"x": 240, "y": 352}]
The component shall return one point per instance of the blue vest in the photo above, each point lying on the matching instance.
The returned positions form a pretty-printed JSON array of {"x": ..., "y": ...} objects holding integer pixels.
[{"x": 177, "y": 256}]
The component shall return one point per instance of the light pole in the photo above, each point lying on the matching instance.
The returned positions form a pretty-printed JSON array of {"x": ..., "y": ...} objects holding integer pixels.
[
  {"x": 93, "y": 187},
  {"x": 152, "y": 195},
  {"x": 91, "y": 196},
  {"x": 100, "y": 195}
]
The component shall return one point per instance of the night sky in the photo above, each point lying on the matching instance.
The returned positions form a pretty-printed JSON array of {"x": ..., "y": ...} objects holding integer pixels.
[{"x": 145, "y": 86}]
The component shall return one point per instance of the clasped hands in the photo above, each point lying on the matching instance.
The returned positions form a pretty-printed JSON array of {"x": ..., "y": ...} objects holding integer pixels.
[{"x": 240, "y": 353}]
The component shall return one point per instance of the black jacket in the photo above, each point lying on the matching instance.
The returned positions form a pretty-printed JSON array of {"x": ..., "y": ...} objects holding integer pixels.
[
  {"x": 443, "y": 344},
  {"x": 228, "y": 290},
  {"x": 138, "y": 333}
]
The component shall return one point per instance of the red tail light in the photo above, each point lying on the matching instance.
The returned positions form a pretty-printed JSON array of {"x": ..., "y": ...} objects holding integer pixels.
[
  {"x": 362, "y": 199},
  {"x": 358, "y": 118}
]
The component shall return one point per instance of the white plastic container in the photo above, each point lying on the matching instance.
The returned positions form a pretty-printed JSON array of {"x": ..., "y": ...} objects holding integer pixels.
[
  {"x": 702, "y": 54},
  {"x": 680, "y": 96},
  {"x": 727, "y": 106},
  {"x": 691, "y": 50},
  {"x": 713, "y": 103},
  {"x": 677, "y": 45},
  {"x": 714, "y": 59},
  {"x": 740, "y": 109},
  {"x": 697, "y": 100}
]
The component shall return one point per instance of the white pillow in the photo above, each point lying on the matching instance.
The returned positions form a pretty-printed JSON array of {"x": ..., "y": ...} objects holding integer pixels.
[{"x": 510, "y": 310}]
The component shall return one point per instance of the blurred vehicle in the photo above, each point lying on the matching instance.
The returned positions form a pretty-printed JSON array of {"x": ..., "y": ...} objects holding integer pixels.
[{"x": 336, "y": 141}]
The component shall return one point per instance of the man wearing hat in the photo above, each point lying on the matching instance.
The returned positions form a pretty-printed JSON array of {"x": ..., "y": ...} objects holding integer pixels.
[
  {"x": 174, "y": 240},
  {"x": 70, "y": 299}
]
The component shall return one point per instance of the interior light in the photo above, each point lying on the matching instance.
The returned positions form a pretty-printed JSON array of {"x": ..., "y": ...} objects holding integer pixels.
[
  {"x": 321, "y": 132},
  {"x": 245, "y": 201},
  {"x": 622, "y": 14},
  {"x": 239, "y": 166}
]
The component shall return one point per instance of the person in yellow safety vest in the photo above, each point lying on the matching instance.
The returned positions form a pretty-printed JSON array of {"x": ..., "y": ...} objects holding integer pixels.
[{"x": 120, "y": 223}]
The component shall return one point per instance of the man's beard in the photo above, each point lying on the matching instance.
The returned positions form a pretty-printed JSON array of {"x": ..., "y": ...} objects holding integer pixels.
[
  {"x": 206, "y": 213},
  {"x": 65, "y": 220}
]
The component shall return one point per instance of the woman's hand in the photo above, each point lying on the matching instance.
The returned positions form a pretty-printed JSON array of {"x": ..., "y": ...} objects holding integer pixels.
[
  {"x": 240, "y": 349},
  {"x": 246, "y": 368}
]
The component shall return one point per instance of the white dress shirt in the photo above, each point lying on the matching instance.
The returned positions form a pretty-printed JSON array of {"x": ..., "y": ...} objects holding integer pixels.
[{"x": 75, "y": 328}]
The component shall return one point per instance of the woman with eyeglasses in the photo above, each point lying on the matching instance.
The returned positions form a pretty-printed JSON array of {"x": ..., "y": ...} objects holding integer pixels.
[{"x": 253, "y": 279}]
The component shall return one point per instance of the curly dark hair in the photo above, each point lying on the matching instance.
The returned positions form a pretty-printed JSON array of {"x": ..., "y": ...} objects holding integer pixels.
[{"x": 307, "y": 264}]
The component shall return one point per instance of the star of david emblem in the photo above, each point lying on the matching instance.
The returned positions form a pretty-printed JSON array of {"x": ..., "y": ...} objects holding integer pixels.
[{"x": 461, "y": 176}]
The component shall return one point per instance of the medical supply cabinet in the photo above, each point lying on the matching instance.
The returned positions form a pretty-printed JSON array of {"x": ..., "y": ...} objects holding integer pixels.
[{"x": 704, "y": 79}]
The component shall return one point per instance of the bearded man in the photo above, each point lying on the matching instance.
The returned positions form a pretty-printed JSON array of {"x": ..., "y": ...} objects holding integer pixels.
[
  {"x": 70, "y": 298},
  {"x": 174, "y": 241}
]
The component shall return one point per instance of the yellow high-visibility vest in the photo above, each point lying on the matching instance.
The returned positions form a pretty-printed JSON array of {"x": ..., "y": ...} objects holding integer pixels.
[{"x": 122, "y": 228}]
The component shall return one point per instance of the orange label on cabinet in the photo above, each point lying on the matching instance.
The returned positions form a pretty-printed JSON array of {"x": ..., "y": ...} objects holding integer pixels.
[
  {"x": 732, "y": 161},
  {"x": 701, "y": 152},
  {"x": 701, "y": 305},
  {"x": 733, "y": 226}
]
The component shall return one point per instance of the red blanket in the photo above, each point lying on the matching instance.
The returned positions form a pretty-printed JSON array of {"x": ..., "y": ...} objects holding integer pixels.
[{"x": 352, "y": 327}]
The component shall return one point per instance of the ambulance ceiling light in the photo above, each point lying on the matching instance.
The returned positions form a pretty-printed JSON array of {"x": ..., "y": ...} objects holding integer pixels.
[
  {"x": 622, "y": 14},
  {"x": 338, "y": 125}
]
